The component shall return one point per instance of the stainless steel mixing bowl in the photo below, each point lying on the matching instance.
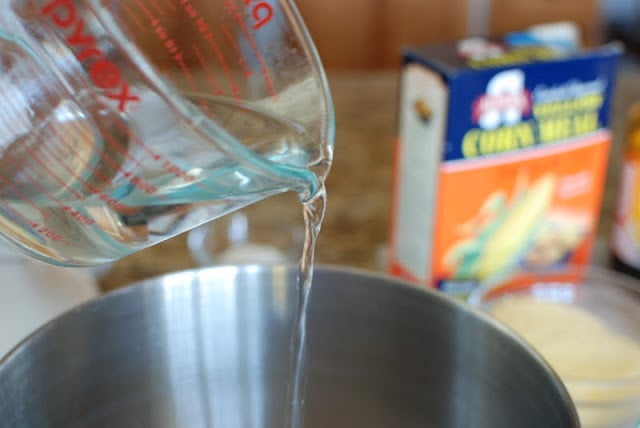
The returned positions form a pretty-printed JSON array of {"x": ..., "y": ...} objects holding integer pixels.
[{"x": 210, "y": 348}]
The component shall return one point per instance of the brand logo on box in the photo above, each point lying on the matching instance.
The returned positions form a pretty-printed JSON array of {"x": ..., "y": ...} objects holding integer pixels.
[{"x": 505, "y": 102}]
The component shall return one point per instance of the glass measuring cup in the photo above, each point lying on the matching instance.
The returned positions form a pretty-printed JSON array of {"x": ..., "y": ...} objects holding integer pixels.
[{"x": 124, "y": 123}]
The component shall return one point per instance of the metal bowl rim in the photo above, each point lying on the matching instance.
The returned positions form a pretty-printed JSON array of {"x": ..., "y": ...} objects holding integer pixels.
[{"x": 386, "y": 281}]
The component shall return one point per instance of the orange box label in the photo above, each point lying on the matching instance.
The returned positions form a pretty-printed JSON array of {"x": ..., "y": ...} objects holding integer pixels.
[{"x": 508, "y": 217}]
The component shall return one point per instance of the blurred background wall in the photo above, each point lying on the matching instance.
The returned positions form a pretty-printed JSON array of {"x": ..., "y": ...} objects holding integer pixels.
[{"x": 370, "y": 33}]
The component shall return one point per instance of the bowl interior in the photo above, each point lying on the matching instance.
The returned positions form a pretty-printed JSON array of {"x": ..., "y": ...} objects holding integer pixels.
[{"x": 210, "y": 347}]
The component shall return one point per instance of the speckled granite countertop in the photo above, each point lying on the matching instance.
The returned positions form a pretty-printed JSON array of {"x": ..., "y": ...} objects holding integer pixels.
[{"x": 359, "y": 186}]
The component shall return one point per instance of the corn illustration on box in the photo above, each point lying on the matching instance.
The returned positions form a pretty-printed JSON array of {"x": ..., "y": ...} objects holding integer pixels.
[{"x": 500, "y": 162}]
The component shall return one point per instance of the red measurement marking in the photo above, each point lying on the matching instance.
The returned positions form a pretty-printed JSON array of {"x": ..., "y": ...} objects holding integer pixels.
[
  {"x": 79, "y": 216},
  {"x": 52, "y": 103},
  {"x": 137, "y": 181},
  {"x": 107, "y": 134},
  {"x": 47, "y": 233},
  {"x": 64, "y": 184},
  {"x": 34, "y": 156},
  {"x": 230, "y": 7},
  {"x": 186, "y": 72},
  {"x": 172, "y": 47},
  {"x": 194, "y": 88},
  {"x": 18, "y": 213},
  {"x": 168, "y": 42},
  {"x": 262, "y": 13},
  {"x": 268, "y": 81},
  {"x": 242, "y": 60},
  {"x": 134, "y": 17},
  {"x": 106, "y": 180},
  {"x": 116, "y": 145},
  {"x": 61, "y": 19},
  {"x": 96, "y": 172},
  {"x": 131, "y": 135},
  {"x": 91, "y": 188},
  {"x": 115, "y": 204},
  {"x": 235, "y": 90},
  {"x": 22, "y": 195},
  {"x": 42, "y": 189},
  {"x": 172, "y": 169},
  {"x": 147, "y": 12},
  {"x": 157, "y": 7},
  {"x": 144, "y": 186},
  {"x": 134, "y": 137},
  {"x": 101, "y": 152},
  {"x": 207, "y": 35},
  {"x": 189, "y": 9},
  {"x": 181, "y": 173},
  {"x": 175, "y": 170},
  {"x": 50, "y": 150},
  {"x": 211, "y": 79},
  {"x": 162, "y": 34},
  {"x": 102, "y": 177},
  {"x": 170, "y": 4}
]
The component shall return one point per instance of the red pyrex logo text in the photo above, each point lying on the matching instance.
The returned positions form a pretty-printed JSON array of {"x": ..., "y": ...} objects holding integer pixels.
[{"x": 102, "y": 72}]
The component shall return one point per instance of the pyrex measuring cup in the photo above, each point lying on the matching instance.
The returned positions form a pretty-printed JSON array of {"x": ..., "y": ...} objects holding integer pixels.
[{"x": 123, "y": 123}]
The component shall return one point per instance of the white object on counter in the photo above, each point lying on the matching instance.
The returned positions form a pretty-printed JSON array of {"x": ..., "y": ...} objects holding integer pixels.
[{"x": 33, "y": 293}]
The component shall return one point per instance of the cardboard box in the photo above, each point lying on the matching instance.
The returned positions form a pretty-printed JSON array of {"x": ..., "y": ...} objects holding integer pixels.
[{"x": 500, "y": 165}]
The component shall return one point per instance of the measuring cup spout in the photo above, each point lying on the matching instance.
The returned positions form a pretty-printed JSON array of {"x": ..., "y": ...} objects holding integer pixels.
[{"x": 123, "y": 124}]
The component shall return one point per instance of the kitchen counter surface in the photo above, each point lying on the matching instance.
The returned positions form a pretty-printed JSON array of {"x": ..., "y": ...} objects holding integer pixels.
[{"x": 359, "y": 186}]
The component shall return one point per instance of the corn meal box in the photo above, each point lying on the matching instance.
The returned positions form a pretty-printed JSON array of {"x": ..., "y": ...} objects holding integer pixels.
[{"x": 500, "y": 162}]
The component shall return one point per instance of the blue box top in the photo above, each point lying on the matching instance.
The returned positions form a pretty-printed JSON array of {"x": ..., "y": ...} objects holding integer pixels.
[
  {"x": 475, "y": 54},
  {"x": 530, "y": 96}
]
